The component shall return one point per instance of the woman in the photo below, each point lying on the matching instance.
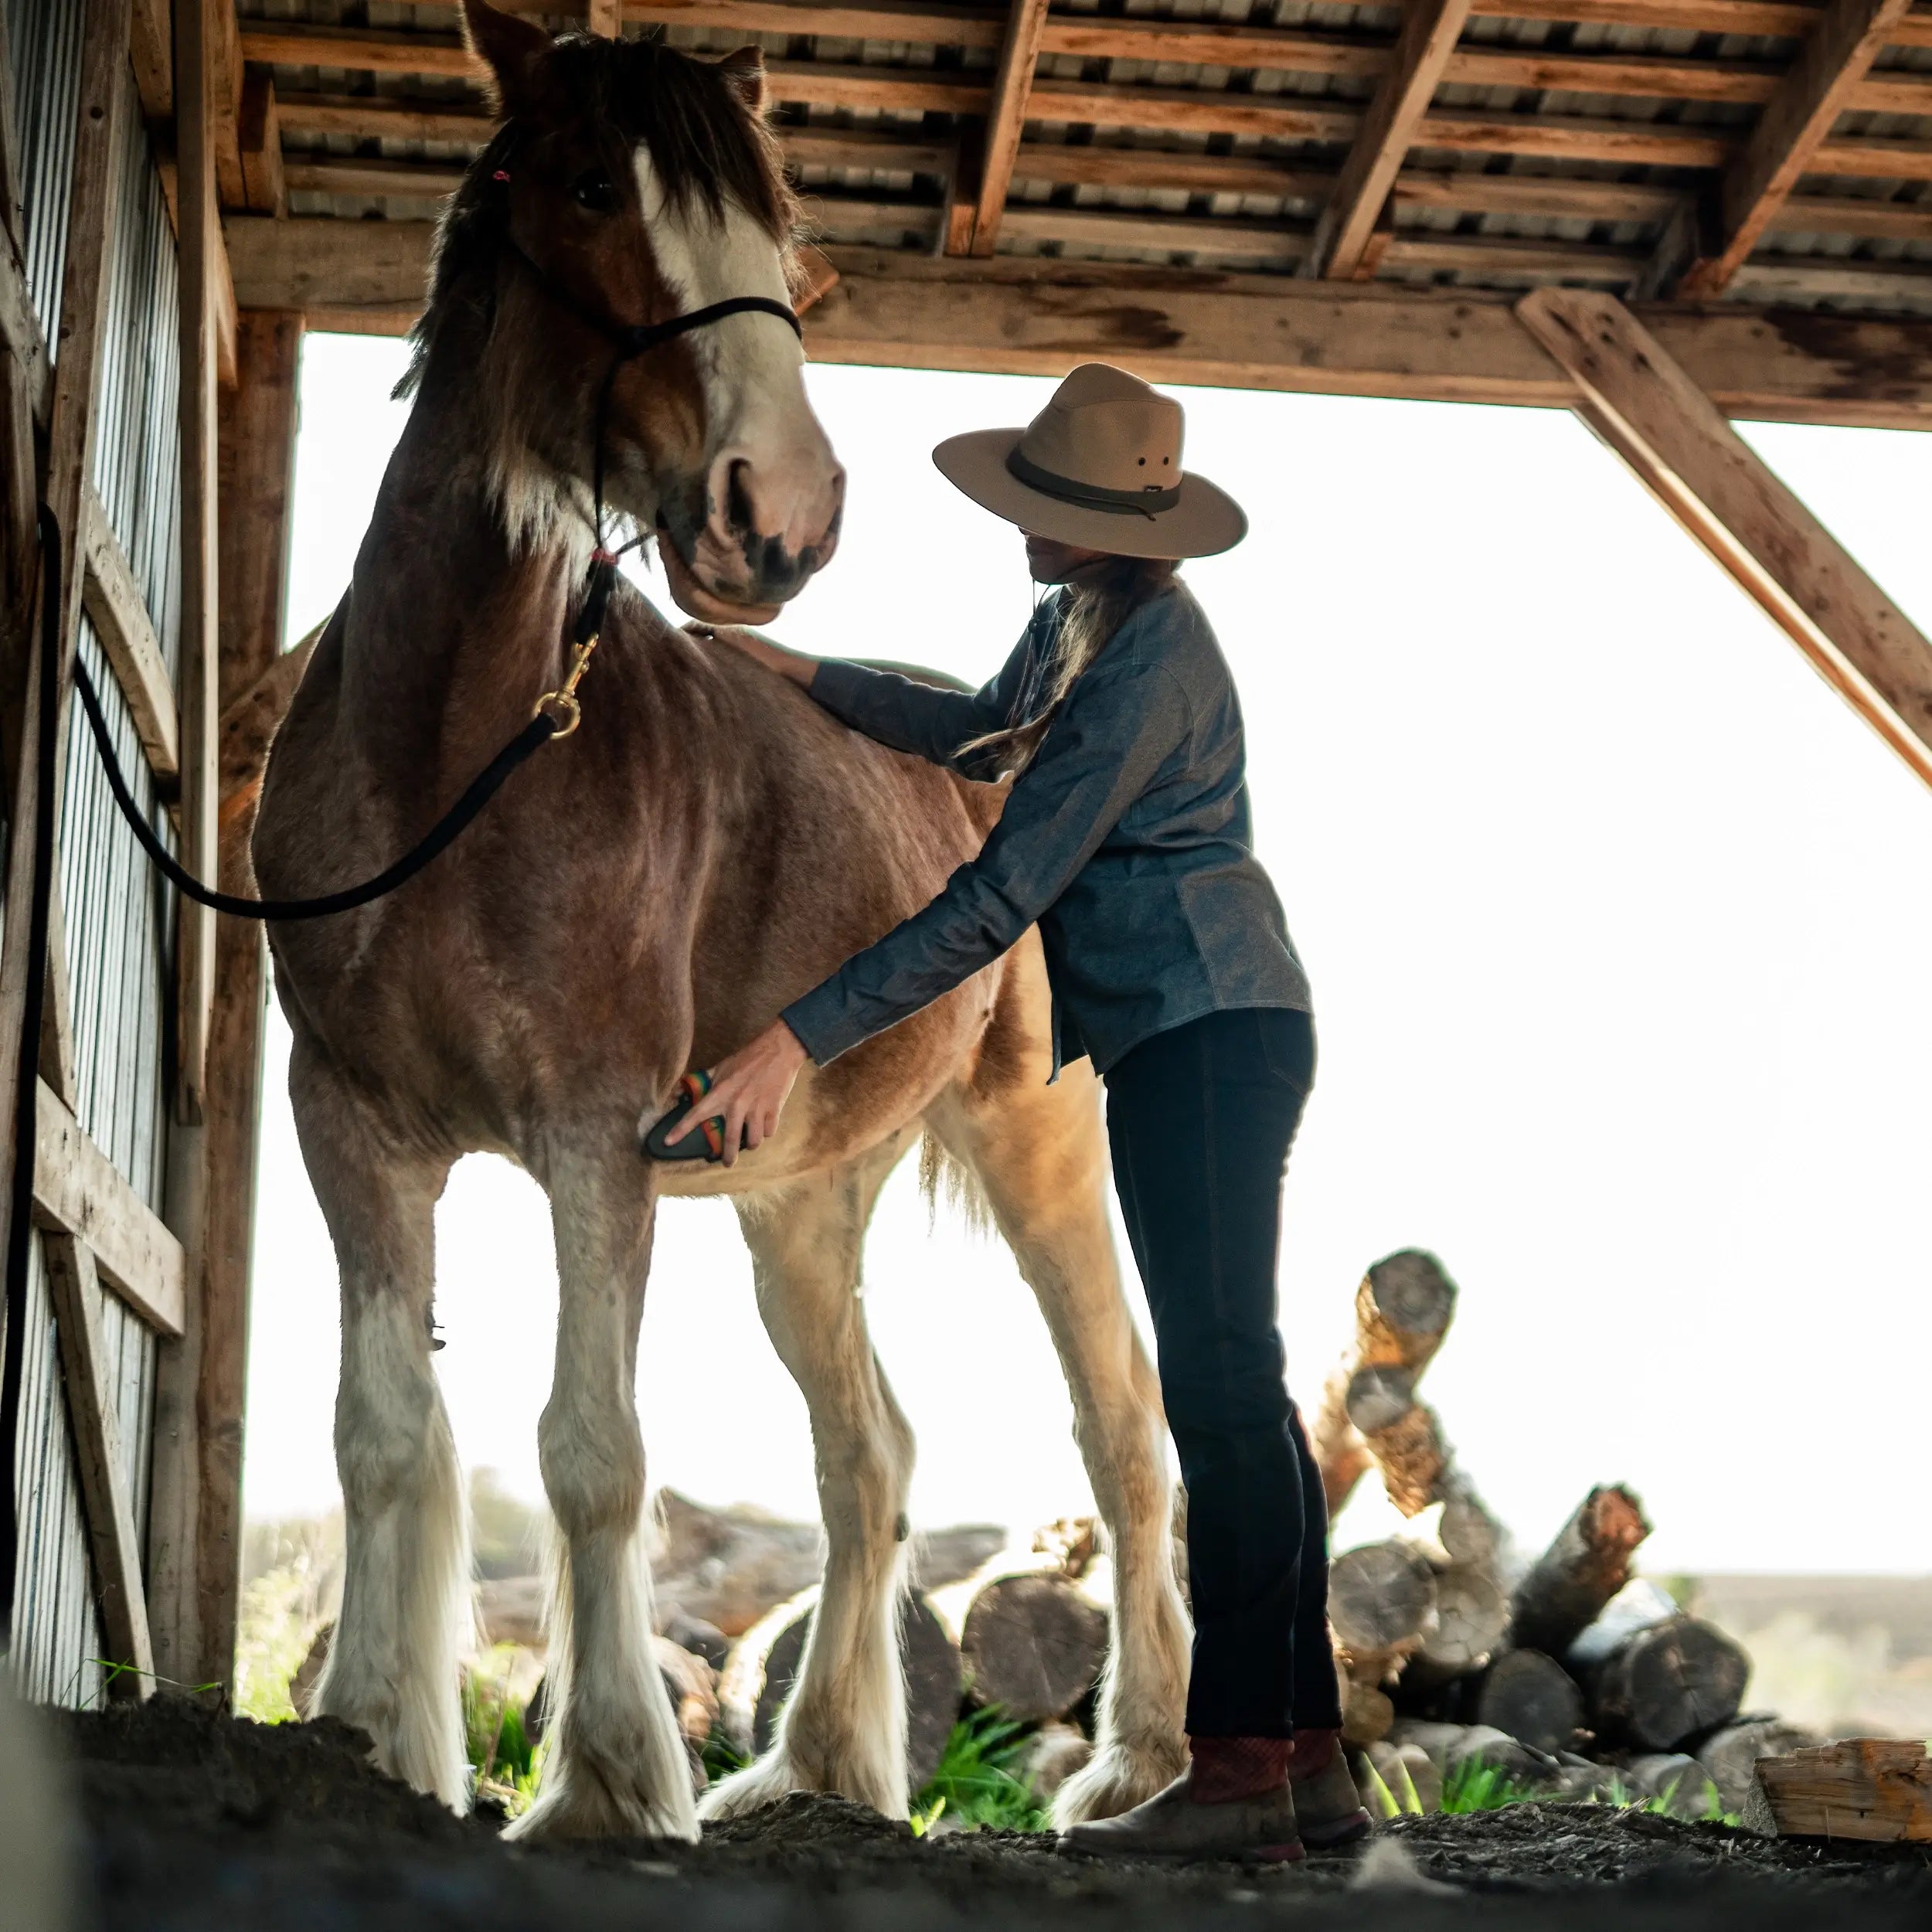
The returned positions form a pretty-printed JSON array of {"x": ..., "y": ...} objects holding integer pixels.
[{"x": 1125, "y": 840}]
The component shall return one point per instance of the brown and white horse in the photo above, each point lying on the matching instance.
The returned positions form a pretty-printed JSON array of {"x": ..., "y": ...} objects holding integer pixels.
[{"x": 640, "y": 899}]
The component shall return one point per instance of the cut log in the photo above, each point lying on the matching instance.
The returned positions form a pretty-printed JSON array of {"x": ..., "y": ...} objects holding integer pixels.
[
  {"x": 1472, "y": 1615},
  {"x": 1382, "y": 1599},
  {"x": 763, "y": 1665},
  {"x": 1567, "y": 1587},
  {"x": 1033, "y": 1646},
  {"x": 1534, "y": 1699},
  {"x": 1675, "y": 1680},
  {"x": 1403, "y": 1309},
  {"x": 1469, "y": 1534},
  {"x": 1367, "y": 1712},
  {"x": 729, "y": 1567},
  {"x": 1875, "y": 1788},
  {"x": 1638, "y": 1605},
  {"x": 1730, "y": 1756}
]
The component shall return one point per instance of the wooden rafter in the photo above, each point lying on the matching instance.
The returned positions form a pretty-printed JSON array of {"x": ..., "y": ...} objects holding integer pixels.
[
  {"x": 1641, "y": 401},
  {"x": 114, "y": 601},
  {"x": 1430, "y": 30},
  {"x": 1006, "y": 119},
  {"x": 1114, "y": 38},
  {"x": 1791, "y": 133}
]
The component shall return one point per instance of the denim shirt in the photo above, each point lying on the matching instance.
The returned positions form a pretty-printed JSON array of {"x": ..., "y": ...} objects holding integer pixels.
[{"x": 1126, "y": 841}]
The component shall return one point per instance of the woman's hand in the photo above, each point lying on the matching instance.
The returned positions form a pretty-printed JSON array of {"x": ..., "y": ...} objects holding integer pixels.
[
  {"x": 793, "y": 665},
  {"x": 750, "y": 1090}
]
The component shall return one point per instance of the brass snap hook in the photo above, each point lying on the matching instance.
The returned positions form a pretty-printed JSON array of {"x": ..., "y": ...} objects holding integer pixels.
[{"x": 561, "y": 706}]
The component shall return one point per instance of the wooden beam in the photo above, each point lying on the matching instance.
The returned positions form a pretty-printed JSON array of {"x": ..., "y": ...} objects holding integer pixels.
[
  {"x": 222, "y": 40},
  {"x": 152, "y": 47},
  {"x": 1791, "y": 133},
  {"x": 1038, "y": 317},
  {"x": 107, "y": 1512},
  {"x": 1006, "y": 117},
  {"x": 260, "y": 132},
  {"x": 77, "y": 1189},
  {"x": 1674, "y": 437},
  {"x": 256, "y": 474},
  {"x": 114, "y": 601},
  {"x": 605, "y": 17},
  {"x": 1430, "y": 30},
  {"x": 200, "y": 125}
]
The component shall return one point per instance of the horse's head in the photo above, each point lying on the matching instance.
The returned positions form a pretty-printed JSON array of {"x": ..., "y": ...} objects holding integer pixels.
[{"x": 627, "y": 185}]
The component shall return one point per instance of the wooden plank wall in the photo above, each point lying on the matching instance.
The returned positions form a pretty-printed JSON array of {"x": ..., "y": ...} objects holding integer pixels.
[{"x": 88, "y": 1426}]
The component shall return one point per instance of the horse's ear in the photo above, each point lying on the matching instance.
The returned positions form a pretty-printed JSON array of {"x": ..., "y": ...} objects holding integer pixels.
[
  {"x": 511, "y": 48},
  {"x": 746, "y": 71}
]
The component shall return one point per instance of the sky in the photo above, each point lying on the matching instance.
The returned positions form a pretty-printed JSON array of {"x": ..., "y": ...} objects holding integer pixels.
[{"x": 1618, "y": 923}]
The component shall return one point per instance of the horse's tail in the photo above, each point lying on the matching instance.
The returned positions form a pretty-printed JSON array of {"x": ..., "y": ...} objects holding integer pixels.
[{"x": 944, "y": 1176}]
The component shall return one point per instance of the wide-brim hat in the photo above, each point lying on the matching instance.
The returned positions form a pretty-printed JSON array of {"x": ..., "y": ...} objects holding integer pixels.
[{"x": 1099, "y": 467}]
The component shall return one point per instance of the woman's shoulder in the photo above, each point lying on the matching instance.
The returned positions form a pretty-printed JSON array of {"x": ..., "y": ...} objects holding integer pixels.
[{"x": 1171, "y": 631}]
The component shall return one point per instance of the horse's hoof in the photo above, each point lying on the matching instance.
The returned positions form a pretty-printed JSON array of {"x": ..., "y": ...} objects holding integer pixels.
[
  {"x": 1116, "y": 1778},
  {"x": 580, "y": 1801},
  {"x": 774, "y": 1777}
]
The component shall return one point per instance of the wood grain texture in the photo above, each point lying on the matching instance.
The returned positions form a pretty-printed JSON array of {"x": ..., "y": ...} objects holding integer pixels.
[
  {"x": 1653, "y": 412},
  {"x": 78, "y": 1190},
  {"x": 260, "y": 132},
  {"x": 1006, "y": 117},
  {"x": 112, "y": 1540},
  {"x": 114, "y": 601},
  {"x": 1794, "y": 127},
  {"x": 201, "y": 128},
  {"x": 1878, "y": 1789},
  {"x": 1430, "y": 30}
]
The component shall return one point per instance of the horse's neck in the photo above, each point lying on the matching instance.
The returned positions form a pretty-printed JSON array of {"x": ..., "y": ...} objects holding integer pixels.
[{"x": 446, "y": 607}]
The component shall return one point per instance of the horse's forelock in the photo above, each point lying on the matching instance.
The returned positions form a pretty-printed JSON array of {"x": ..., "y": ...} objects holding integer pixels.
[{"x": 706, "y": 148}]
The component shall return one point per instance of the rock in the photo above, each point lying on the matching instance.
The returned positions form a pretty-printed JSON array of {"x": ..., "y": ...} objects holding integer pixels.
[
  {"x": 1730, "y": 1756},
  {"x": 1677, "y": 1778}
]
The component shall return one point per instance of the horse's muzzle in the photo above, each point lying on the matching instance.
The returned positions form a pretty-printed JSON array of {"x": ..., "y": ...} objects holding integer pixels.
[{"x": 757, "y": 539}]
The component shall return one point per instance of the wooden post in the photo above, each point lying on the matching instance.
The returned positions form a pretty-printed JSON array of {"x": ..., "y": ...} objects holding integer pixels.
[
  {"x": 1006, "y": 118},
  {"x": 195, "y": 35},
  {"x": 185, "y": 1608},
  {"x": 1644, "y": 405},
  {"x": 198, "y": 1482}
]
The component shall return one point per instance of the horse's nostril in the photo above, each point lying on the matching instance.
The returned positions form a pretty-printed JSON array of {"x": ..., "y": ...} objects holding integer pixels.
[{"x": 738, "y": 510}]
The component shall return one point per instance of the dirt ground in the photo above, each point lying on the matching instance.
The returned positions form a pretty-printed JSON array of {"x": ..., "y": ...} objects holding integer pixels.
[{"x": 195, "y": 1820}]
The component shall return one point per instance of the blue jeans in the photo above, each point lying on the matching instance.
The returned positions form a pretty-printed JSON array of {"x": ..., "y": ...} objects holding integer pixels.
[{"x": 1200, "y": 1120}]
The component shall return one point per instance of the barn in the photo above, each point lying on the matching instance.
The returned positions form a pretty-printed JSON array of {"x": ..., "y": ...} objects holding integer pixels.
[{"x": 1662, "y": 214}]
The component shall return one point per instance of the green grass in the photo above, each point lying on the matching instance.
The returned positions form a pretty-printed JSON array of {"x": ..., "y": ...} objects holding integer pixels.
[
  {"x": 1486, "y": 1787},
  {"x": 979, "y": 1785},
  {"x": 505, "y": 1761}
]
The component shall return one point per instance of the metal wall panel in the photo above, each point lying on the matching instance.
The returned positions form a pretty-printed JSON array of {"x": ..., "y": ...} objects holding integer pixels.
[{"x": 119, "y": 919}]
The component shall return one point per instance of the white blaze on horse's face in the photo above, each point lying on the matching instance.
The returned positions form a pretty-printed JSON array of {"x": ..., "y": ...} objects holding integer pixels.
[{"x": 773, "y": 488}]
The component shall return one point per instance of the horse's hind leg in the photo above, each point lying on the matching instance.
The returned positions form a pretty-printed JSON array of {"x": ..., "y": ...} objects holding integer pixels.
[
  {"x": 616, "y": 1766},
  {"x": 1040, "y": 1152},
  {"x": 843, "y": 1727},
  {"x": 391, "y": 1666}
]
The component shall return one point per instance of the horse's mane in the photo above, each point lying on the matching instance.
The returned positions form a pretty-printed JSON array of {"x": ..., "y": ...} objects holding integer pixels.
[{"x": 705, "y": 144}]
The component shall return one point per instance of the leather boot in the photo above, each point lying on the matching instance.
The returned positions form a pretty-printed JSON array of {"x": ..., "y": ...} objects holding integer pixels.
[
  {"x": 1174, "y": 1824},
  {"x": 1325, "y": 1798}
]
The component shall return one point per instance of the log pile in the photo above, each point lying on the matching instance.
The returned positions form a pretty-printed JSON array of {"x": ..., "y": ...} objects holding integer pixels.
[{"x": 1564, "y": 1674}]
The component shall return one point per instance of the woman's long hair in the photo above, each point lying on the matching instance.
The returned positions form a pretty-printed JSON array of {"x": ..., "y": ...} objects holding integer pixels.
[{"x": 1095, "y": 607}]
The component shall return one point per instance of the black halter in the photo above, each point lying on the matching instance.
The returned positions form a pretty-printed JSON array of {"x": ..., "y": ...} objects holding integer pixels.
[{"x": 627, "y": 340}]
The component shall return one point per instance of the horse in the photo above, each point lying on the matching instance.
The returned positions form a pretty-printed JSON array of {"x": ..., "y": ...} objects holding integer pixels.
[{"x": 639, "y": 899}]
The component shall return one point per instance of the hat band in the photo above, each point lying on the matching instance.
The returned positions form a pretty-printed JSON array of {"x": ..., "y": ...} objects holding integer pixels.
[{"x": 1093, "y": 496}]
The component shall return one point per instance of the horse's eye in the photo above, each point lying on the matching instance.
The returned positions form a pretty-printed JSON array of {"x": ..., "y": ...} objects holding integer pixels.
[{"x": 592, "y": 190}]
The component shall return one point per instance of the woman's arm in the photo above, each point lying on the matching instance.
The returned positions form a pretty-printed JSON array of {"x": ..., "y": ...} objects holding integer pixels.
[
  {"x": 1104, "y": 750},
  {"x": 1101, "y": 753},
  {"x": 925, "y": 720}
]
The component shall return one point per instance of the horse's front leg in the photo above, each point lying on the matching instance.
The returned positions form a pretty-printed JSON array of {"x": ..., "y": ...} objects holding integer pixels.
[
  {"x": 616, "y": 1766},
  {"x": 843, "y": 1729},
  {"x": 406, "y": 1608}
]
